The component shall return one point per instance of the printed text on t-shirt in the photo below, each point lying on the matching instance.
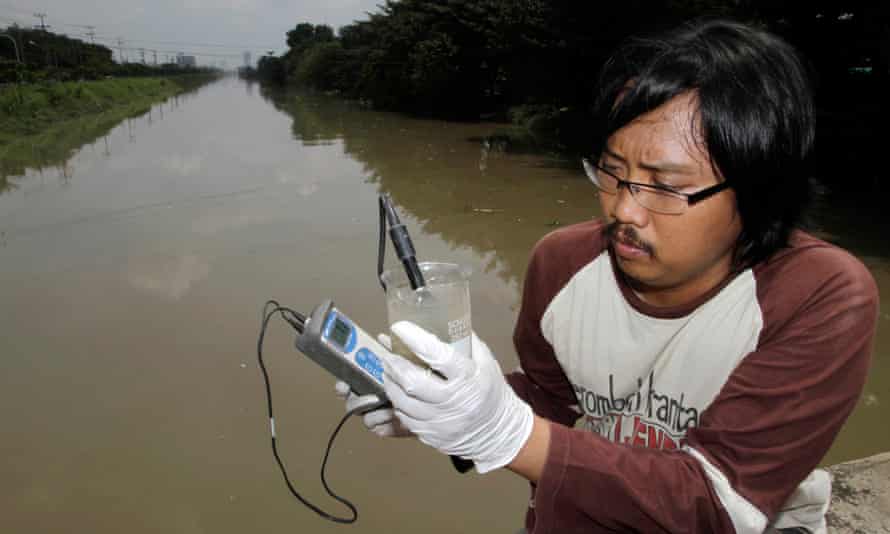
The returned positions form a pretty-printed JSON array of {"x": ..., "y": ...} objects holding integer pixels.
[{"x": 670, "y": 412}]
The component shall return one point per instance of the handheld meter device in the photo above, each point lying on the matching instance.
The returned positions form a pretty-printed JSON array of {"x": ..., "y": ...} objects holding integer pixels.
[
  {"x": 337, "y": 344},
  {"x": 346, "y": 351}
]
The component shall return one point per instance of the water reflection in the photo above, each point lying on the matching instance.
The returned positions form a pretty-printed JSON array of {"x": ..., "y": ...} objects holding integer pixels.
[
  {"x": 166, "y": 277},
  {"x": 183, "y": 164},
  {"x": 460, "y": 182},
  {"x": 54, "y": 149}
]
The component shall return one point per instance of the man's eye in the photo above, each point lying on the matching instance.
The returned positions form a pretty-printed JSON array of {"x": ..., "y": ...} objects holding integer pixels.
[{"x": 668, "y": 187}]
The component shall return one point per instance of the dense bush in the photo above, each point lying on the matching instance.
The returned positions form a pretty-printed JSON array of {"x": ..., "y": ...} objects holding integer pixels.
[{"x": 323, "y": 66}]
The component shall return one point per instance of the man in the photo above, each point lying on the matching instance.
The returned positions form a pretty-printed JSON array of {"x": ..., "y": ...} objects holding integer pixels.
[{"x": 711, "y": 350}]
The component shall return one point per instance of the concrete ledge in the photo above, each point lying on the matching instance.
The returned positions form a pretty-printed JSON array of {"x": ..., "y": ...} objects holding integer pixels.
[{"x": 860, "y": 502}]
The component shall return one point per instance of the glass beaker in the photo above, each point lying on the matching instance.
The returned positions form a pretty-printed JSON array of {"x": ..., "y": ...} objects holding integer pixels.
[{"x": 442, "y": 307}]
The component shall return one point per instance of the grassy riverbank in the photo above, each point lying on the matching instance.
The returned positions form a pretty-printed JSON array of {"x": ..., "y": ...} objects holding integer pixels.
[
  {"x": 42, "y": 125},
  {"x": 30, "y": 109}
]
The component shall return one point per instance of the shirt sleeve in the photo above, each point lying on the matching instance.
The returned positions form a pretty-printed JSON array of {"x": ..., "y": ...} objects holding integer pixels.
[
  {"x": 768, "y": 428},
  {"x": 542, "y": 383}
]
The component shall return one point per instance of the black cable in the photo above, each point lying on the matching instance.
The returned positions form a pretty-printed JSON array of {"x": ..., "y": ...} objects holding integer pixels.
[
  {"x": 381, "y": 242},
  {"x": 295, "y": 319}
]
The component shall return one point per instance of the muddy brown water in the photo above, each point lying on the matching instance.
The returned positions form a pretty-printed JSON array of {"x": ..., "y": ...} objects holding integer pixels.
[{"x": 133, "y": 271}]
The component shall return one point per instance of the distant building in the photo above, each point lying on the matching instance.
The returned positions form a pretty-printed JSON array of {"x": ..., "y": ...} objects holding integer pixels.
[{"x": 185, "y": 61}]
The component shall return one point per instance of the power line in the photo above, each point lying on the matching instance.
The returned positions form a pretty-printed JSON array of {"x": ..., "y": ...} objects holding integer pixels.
[
  {"x": 42, "y": 17},
  {"x": 183, "y": 52},
  {"x": 118, "y": 42},
  {"x": 187, "y": 43},
  {"x": 239, "y": 47},
  {"x": 92, "y": 28}
]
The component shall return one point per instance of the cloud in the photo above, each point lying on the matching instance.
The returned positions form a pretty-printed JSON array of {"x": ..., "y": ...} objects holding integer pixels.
[
  {"x": 214, "y": 224},
  {"x": 169, "y": 278},
  {"x": 183, "y": 165},
  {"x": 222, "y": 5},
  {"x": 292, "y": 176}
]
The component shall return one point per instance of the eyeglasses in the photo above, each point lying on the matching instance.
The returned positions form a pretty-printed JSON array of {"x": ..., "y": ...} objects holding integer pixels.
[{"x": 657, "y": 198}]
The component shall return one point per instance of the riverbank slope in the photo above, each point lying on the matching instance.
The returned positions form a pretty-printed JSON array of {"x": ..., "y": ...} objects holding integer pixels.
[
  {"x": 861, "y": 496},
  {"x": 41, "y": 125},
  {"x": 29, "y": 109}
]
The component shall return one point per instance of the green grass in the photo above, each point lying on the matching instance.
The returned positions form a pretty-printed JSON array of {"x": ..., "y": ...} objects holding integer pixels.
[
  {"x": 30, "y": 109},
  {"x": 43, "y": 125},
  {"x": 54, "y": 145}
]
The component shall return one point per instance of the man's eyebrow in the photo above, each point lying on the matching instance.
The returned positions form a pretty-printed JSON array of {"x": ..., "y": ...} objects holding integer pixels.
[
  {"x": 614, "y": 155},
  {"x": 657, "y": 166},
  {"x": 668, "y": 167}
]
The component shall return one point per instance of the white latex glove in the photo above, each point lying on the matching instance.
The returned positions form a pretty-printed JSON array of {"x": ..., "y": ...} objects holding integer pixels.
[
  {"x": 473, "y": 414},
  {"x": 381, "y": 421}
]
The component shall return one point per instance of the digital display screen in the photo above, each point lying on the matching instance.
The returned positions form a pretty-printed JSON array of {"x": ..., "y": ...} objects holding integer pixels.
[{"x": 340, "y": 333}]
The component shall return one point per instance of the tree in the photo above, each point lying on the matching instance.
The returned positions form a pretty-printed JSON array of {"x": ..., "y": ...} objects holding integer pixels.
[
  {"x": 460, "y": 58},
  {"x": 306, "y": 34},
  {"x": 271, "y": 68}
]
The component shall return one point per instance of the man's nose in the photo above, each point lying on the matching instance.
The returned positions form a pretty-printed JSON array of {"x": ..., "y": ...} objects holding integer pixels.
[{"x": 627, "y": 210}]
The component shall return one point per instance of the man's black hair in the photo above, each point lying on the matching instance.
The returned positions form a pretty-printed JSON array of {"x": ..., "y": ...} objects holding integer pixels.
[{"x": 755, "y": 116}]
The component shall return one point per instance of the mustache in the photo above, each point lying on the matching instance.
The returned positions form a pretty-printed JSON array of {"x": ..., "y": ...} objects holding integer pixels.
[{"x": 627, "y": 234}]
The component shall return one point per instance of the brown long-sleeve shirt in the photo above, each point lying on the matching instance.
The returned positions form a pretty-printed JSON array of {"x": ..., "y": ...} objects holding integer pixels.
[{"x": 708, "y": 417}]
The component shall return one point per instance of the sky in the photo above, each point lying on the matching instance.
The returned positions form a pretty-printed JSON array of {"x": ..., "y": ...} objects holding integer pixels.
[{"x": 213, "y": 30}]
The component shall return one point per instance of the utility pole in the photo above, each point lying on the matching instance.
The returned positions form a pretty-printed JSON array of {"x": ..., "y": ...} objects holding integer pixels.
[
  {"x": 41, "y": 16},
  {"x": 142, "y": 51},
  {"x": 120, "y": 50},
  {"x": 91, "y": 33},
  {"x": 156, "y": 56}
]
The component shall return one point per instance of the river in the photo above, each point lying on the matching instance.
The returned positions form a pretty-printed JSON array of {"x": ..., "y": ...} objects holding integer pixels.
[{"x": 134, "y": 269}]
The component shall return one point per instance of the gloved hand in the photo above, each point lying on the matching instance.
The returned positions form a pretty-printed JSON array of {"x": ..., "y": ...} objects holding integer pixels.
[
  {"x": 473, "y": 414},
  {"x": 381, "y": 421}
]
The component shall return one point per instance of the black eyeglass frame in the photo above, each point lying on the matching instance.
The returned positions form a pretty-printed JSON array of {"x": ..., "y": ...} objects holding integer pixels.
[{"x": 691, "y": 198}]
